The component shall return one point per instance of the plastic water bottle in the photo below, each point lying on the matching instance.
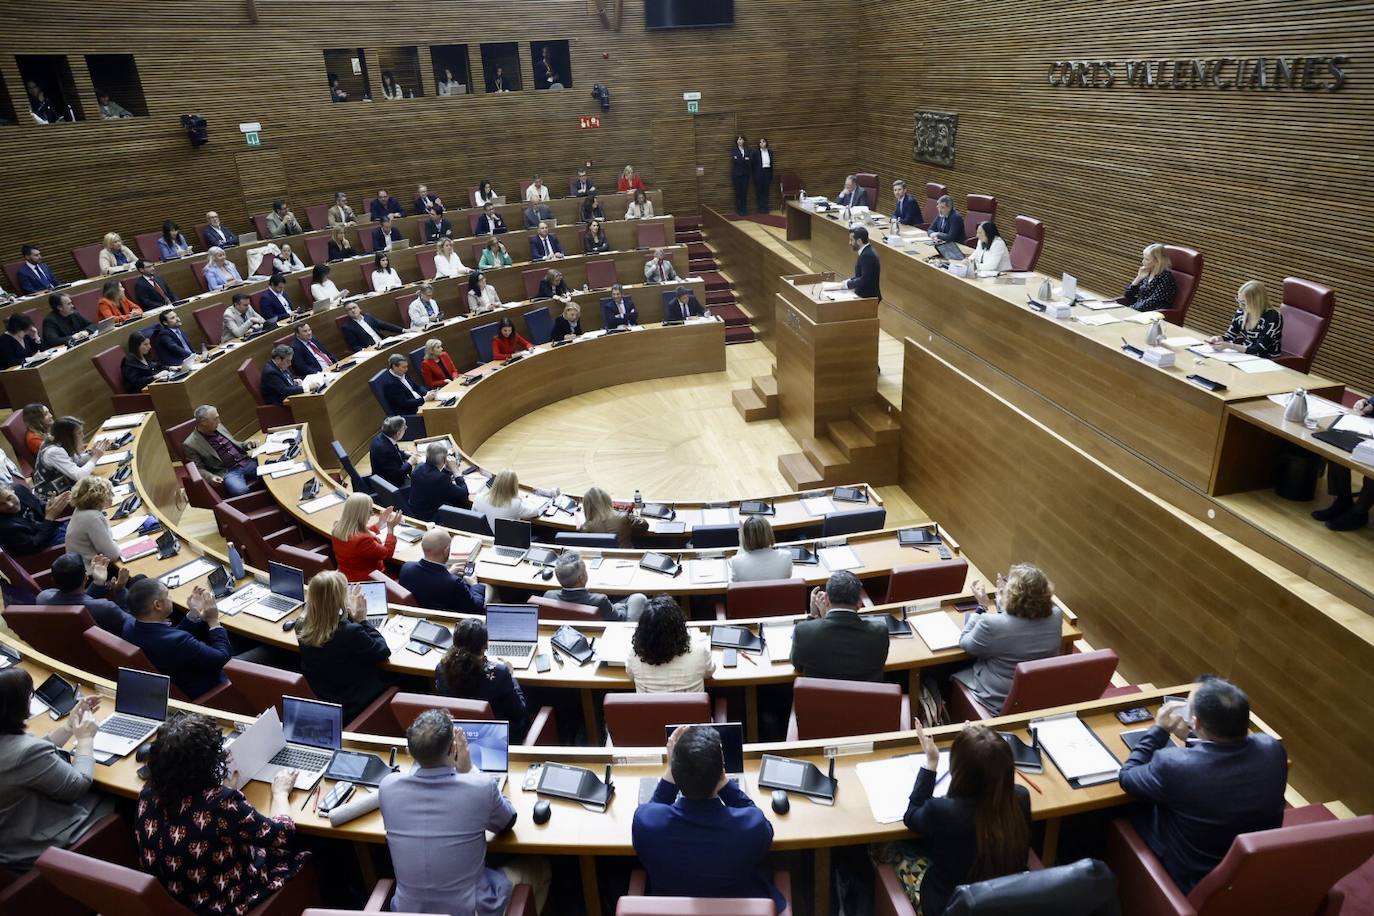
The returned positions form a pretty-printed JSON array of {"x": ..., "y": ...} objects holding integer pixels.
[
  {"x": 235, "y": 562},
  {"x": 639, "y": 502}
]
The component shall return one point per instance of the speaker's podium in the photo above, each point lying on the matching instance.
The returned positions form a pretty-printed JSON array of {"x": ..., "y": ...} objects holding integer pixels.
[{"x": 826, "y": 387}]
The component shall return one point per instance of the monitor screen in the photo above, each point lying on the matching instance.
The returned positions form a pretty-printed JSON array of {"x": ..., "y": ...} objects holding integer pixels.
[
  {"x": 731, "y": 743},
  {"x": 287, "y": 581},
  {"x": 731, "y": 636},
  {"x": 312, "y": 722},
  {"x": 513, "y": 533},
  {"x": 488, "y": 744},
  {"x": 783, "y": 772},
  {"x": 562, "y": 779},
  {"x": 688, "y": 14},
  {"x": 142, "y": 693},
  {"x": 512, "y": 623}
]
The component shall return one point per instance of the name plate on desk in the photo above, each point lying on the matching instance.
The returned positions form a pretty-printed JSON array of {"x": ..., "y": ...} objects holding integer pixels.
[
  {"x": 1059, "y": 310},
  {"x": 851, "y": 749}
]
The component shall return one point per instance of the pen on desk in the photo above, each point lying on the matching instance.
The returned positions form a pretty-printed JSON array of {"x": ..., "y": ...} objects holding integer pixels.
[
  {"x": 1030, "y": 782},
  {"x": 749, "y": 658},
  {"x": 309, "y": 795}
]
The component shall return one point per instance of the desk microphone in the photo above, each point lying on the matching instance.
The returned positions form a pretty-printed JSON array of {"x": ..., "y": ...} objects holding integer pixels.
[{"x": 831, "y": 774}]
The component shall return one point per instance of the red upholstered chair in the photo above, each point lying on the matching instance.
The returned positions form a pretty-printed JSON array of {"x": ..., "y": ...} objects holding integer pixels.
[
  {"x": 365, "y": 245},
  {"x": 638, "y": 719},
  {"x": 532, "y": 278},
  {"x": 210, "y": 320},
  {"x": 306, "y": 294},
  {"x": 269, "y": 415},
  {"x": 823, "y": 708},
  {"x": 789, "y": 184},
  {"x": 1288, "y": 870},
  {"x": 472, "y": 221},
  {"x": 926, "y": 580},
  {"x": 403, "y": 301},
  {"x": 636, "y": 903},
  {"x": 198, "y": 270},
  {"x": 107, "y": 363},
  {"x": 1306, "y": 310},
  {"x": 765, "y": 598},
  {"x": 650, "y": 235},
  {"x": 176, "y": 436},
  {"x": 116, "y": 653},
  {"x": 146, "y": 243},
  {"x": 257, "y": 687},
  {"x": 109, "y": 838},
  {"x": 129, "y": 281},
  {"x": 259, "y": 507},
  {"x": 1030, "y": 240},
  {"x": 869, "y": 182},
  {"x": 87, "y": 258},
  {"x": 477, "y": 249},
  {"x": 318, "y": 217},
  {"x": 934, "y": 191},
  {"x": 1349, "y": 398},
  {"x": 260, "y": 224},
  {"x": 15, "y": 432},
  {"x": 395, "y": 592},
  {"x": 425, "y": 260},
  {"x": 1042, "y": 683},
  {"x": 257, "y": 544},
  {"x": 525, "y": 186},
  {"x": 521, "y": 902},
  {"x": 121, "y": 888},
  {"x": 1186, "y": 266},
  {"x": 12, "y": 271},
  {"x": 981, "y": 208},
  {"x": 308, "y": 562},
  {"x": 55, "y": 630},
  {"x": 266, "y": 268},
  {"x": 553, "y": 609},
  {"x": 317, "y": 248},
  {"x": 366, "y": 281},
  {"x": 601, "y": 274},
  {"x": 18, "y": 575},
  {"x": 87, "y": 303}
]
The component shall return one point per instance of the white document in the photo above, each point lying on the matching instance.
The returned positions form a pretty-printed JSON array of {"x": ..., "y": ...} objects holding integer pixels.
[
  {"x": 311, "y": 506},
  {"x": 1181, "y": 341},
  {"x": 833, "y": 285},
  {"x": 123, "y": 421},
  {"x": 841, "y": 295},
  {"x": 122, "y": 492},
  {"x": 396, "y": 631},
  {"x": 1221, "y": 356},
  {"x": 258, "y": 744},
  {"x": 1354, "y": 424},
  {"x": 617, "y": 574},
  {"x": 127, "y": 527},
  {"x": 838, "y": 558},
  {"x": 1098, "y": 321},
  {"x": 706, "y": 571},
  {"x": 241, "y": 598},
  {"x": 613, "y": 647},
  {"x": 530, "y": 502},
  {"x": 286, "y": 470},
  {"x": 777, "y": 640},
  {"x": 188, "y": 572},
  {"x": 113, "y": 458},
  {"x": 271, "y": 447},
  {"x": 818, "y": 505},
  {"x": 1256, "y": 366},
  {"x": 717, "y": 516},
  {"x": 1075, "y": 749},
  {"x": 1317, "y": 408},
  {"x": 936, "y": 629},
  {"x": 888, "y": 783}
]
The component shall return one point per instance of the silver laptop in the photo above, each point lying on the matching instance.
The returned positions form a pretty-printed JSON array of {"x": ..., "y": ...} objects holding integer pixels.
[
  {"x": 287, "y": 587},
  {"x": 305, "y": 740},
  {"x": 140, "y": 707},
  {"x": 398, "y": 245},
  {"x": 489, "y": 747},
  {"x": 513, "y": 633},
  {"x": 499, "y": 200},
  {"x": 512, "y": 542},
  {"x": 375, "y": 593},
  {"x": 731, "y": 745}
]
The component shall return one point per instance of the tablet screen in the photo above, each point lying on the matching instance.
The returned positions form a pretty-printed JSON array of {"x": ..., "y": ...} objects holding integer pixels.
[
  {"x": 560, "y": 779},
  {"x": 783, "y": 772}
]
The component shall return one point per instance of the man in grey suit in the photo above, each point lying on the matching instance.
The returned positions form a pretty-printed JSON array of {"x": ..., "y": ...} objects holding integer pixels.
[
  {"x": 1028, "y": 628},
  {"x": 836, "y": 642},
  {"x": 240, "y": 320},
  {"x": 220, "y": 457},
  {"x": 436, "y": 817},
  {"x": 571, "y": 574}
]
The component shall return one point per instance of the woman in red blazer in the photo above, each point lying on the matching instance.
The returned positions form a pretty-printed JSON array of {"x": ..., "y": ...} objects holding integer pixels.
[
  {"x": 437, "y": 368},
  {"x": 508, "y": 341},
  {"x": 630, "y": 181},
  {"x": 358, "y": 551}
]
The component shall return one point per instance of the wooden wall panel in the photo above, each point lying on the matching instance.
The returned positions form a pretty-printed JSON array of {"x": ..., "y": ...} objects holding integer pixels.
[
  {"x": 65, "y": 185},
  {"x": 1267, "y": 184}
]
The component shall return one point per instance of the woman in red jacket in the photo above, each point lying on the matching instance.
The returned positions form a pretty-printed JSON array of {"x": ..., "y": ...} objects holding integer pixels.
[
  {"x": 358, "y": 551},
  {"x": 508, "y": 341},
  {"x": 437, "y": 368},
  {"x": 630, "y": 181}
]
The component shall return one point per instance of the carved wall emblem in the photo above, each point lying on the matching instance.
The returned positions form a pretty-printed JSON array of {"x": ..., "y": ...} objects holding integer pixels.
[{"x": 934, "y": 137}]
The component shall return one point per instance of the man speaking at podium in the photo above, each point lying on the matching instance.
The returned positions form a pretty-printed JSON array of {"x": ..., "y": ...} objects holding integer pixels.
[{"x": 866, "y": 267}]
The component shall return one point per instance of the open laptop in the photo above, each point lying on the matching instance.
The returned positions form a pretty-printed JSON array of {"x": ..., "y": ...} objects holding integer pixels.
[
  {"x": 375, "y": 593},
  {"x": 489, "y": 747},
  {"x": 513, "y": 633},
  {"x": 140, "y": 707},
  {"x": 287, "y": 587},
  {"x": 305, "y": 740},
  {"x": 512, "y": 542}
]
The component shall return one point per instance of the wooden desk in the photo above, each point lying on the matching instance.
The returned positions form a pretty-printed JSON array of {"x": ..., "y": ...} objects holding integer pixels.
[
  {"x": 1156, "y": 412},
  {"x": 1253, "y": 436}
]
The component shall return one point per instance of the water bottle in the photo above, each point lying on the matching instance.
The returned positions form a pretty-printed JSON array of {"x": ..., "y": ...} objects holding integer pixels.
[
  {"x": 235, "y": 562},
  {"x": 801, "y": 197},
  {"x": 639, "y": 502}
]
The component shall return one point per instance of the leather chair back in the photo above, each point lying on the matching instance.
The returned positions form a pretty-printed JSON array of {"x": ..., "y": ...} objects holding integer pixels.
[
  {"x": 1306, "y": 310},
  {"x": 260, "y": 686},
  {"x": 359, "y": 483},
  {"x": 269, "y": 415},
  {"x": 108, "y": 888},
  {"x": 306, "y": 295},
  {"x": 525, "y": 186},
  {"x": 981, "y": 208},
  {"x": 1060, "y": 680},
  {"x": 317, "y": 247},
  {"x": 210, "y": 320},
  {"x": 87, "y": 304},
  {"x": 869, "y": 182},
  {"x": 473, "y": 217},
  {"x": 375, "y": 384},
  {"x": 55, "y": 630},
  {"x": 129, "y": 281},
  {"x": 926, "y": 580},
  {"x": 87, "y": 258},
  {"x": 694, "y": 906},
  {"x": 789, "y": 183},
  {"x": 367, "y": 268},
  {"x": 146, "y": 243},
  {"x": 15, "y": 433},
  {"x": 1030, "y": 240},
  {"x": 243, "y": 532},
  {"x": 582, "y": 539},
  {"x": 12, "y": 272},
  {"x": 532, "y": 278},
  {"x": 463, "y": 520},
  {"x": 251, "y": 376},
  {"x": 199, "y": 493},
  {"x": 638, "y": 719},
  {"x": 260, "y": 224},
  {"x": 116, "y": 653},
  {"x": 766, "y": 598},
  {"x": 482, "y": 336},
  {"x": 477, "y": 248},
  {"x": 827, "y": 708},
  {"x": 267, "y": 267},
  {"x": 406, "y": 707},
  {"x": 198, "y": 271},
  {"x": 853, "y": 522},
  {"x": 1288, "y": 870},
  {"x": 307, "y": 561},
  {"x": 25, "y": 587},
  {"x": 425, "y": 261},
  {"x": 176, "y": 436},
  {"x": 601, "y": 274},
  {"x": 1186, "y": 266},
  {"x": 650, "y": 235},
  {"x": 388, "y": 494},
  {"x": 107, "y": 364},
  {"x": 704, "y": 536},
  {"x": 553, "y": 609},
  {"x": 396, "y": 593},
  {"x": 539, "y": 325},
  {"x": 1085, "y": 888},
  {"x": 934, "y": 191},
  {"x": 317, "y": 215}
]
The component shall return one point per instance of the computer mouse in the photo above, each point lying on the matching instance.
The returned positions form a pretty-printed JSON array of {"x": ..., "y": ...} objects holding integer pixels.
[
  {"x": 289, "y": 625},
  {"x": 542, "y": 811},
  {"x": 141, "y": 755},
  {"x": 781, "y": 803},
  {"x": 546, "y": 573}
]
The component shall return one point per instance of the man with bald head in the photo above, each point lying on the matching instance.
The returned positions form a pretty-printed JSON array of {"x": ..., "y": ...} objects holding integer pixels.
[{"x": 436, "y": 584}]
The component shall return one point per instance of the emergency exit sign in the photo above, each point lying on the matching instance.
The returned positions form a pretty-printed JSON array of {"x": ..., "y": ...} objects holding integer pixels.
[
  {"x": 591, "y": 123},
  {"x": 693, "y": 100}
]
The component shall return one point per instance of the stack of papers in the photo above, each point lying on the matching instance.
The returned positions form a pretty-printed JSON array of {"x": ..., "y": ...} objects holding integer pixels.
[
  {"x": 888, "y": 783},
  {"x": 936, "y": 630},
  {"x": 188, "y": 572},
  {"x": 841, "y": 557},
  {"x": 717, "y": 516},
  {"x": 127, "y": 527},
  {"x": 123, "y": 421},
  {"x": 706, "y": 571},
  {"x": 286, "y": 470},
  {"x": 1181, "y": 341},
  {"x": 818, "y": 505},
  {"x": 396, "y": 631},
  {"x": 1317, "y": 408},
  {"x": 617, "y": 574},
  {"x": 1221, "y": 356},
  {"x": 311, "y": 506},
  {"x": 114, "y": 458},
  {"x": 777, "y": 641},
  {"x": 1098, "y": 321},
  {"x": 613, "y": 647},
  {"x": 1351, "y": 423},
  {"x": 1078, "y": 753},
  {"x": 1254, "y": 366}
]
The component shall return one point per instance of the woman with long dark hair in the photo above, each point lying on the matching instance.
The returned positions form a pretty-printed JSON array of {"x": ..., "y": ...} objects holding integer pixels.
[
  {"x": 667, "y": 657},
  {"x": 465, "y": 671}
]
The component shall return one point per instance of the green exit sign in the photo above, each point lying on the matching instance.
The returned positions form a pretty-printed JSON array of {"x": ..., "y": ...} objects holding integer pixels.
[
  {"x": 692, "y": 107},
  {"x": 253, "y": 138}
]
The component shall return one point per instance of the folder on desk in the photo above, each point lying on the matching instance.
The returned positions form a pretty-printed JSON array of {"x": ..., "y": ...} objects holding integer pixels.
[
  {"x": 936, "y": 630},
  {"x": 838, "y": 558},
  {"x": 1076, "y": 750}
]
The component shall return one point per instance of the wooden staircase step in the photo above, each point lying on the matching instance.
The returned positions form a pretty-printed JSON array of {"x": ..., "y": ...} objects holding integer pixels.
[
  {"x": 739, "y": 334},
  {"x": 699, "y": 250},
  {"x": 824, "y": 454},
  {"x": 799, "y": 472},
  {"x": 714, "y": 280},
  {"x": 766, "y": 387},
  {"x": 685, "y": 237},
  {"x": 750, "y": 405},
  {"x": 730, "y": 314},
  {"x": 687, "y": 222},
  {"x": 720, "y": 296},
  {"x": 701, "y": 265},
  {"x": 877, "y": 423},
  {"x": 846, "y": 436}
]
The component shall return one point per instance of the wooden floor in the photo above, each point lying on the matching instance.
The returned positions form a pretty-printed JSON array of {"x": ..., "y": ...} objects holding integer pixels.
[{"x": 1347, "y": 553}]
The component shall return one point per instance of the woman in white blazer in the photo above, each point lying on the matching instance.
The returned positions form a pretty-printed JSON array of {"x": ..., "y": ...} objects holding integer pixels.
[
  {"x": 115, "y": 256},
  {"x": 991, "y": 255},
  {"x": 485, "y": 192},
  {"x": 322, "y": 288},
  {"x": 384, "y": 276},
  {"x": 641, "y": 207},
  {"x": 447, "y": 262},
  {"x": 665, "y": 656},
  {"x": 758, "y": 559}
]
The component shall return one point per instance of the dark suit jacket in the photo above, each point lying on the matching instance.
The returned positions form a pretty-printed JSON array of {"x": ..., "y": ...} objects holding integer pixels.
[
  {"x": 13, "y": 352},
  {"x": 347, "y": 669},
  {"x": 706, "y": 847},
  {"x": 272, "y": 308},
  {"x": 494, "y": 226},
  {"x": 135, "y": 375},
  {"x": 540, "y": 247},
  {"x": 673, "y": 310},
  {"x": 857, "y": 199},
  {"x": 741, "y": 163},
  {"x": 31, "y": 282},
  {"x": 907, "y": 212},
  {"x": 277, "y": 385},
  {"x": 562, "y": 328},
  {"x": 357, "y": 338},
  {"x": 378, "y": 211},
  {"x": 432, "y": 487},
  {"x": 303, "y": 362},
  {"x": 421, "y": 208},
  {"x": 58, "y": 329},
  {"x": 866, "y": 272},
  {"x": 443, "y": 230},
  {"x": 583, "y": 187},
  {"x": 601, "y": 602},
  {"x": 171, "y": 345},
  {"x": 534, "y": 213},
  {"x": 107, "y": 614},
  {"x": 399, "y": 400},
  {"x": 223, "y": 236},
  {"x": 434, "y": 586},
  {"x": 840, "y": 645},
  {"x": 547, "y": 291},
  {"x": 1204, "y": 795},
  {"x": 611, "y": 318},
  {"x": 338, "y": 253},
  {"x": 949, "y": 228},
  {"x": 190, "y": 653},
  {"x": 379, "y": 238},
  {"x": 26, "y": 532},
  {"x": 149, "y": 292},
  {"x": 388, "y": 461}
]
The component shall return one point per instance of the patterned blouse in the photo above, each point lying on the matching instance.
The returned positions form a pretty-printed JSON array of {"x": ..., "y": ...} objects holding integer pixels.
[
  {"x": 215, "y": 853},
  {"x": 1152, "y": 294},
  {"x": 1265, "y": 339}
]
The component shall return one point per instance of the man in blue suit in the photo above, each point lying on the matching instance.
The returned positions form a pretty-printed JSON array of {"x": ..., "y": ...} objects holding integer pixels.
[
  {"x": 277, "y": 383},
  {"x": 361, "y": 331},
  {"x": 866, "y": 266},
  {"x": 948, "y": 225},
  {"x": 683, "y": 306},
  {"x": 101, "y": 599},
  {"x": 389, "y": 462},
  {"x": 490, "y": 222},
  {"x": 435, "y": 483},
  {"x": 150, "y": 290},
  {"x": 386, "y": 234},
  {"x": 194, "y": 652},
  {"x": 435, "y": 583},
  {"x": 905, "y": 211},
  {"x": 34, "y": 275},
  {"x": 218, "y": 234},
  {"x": 618, "y": 310},
  {"x": 545, "y": 244},
  {"x": 308, "y": 355},
  {"x": 170, "y": 341},
  {"x": 700, "y": 835},
  {"x": 1224, "y": 782},
  {"x": 383, "y": 204},
  {"x": 402, "y": 396},
  {"x": 274, "y": 304}
]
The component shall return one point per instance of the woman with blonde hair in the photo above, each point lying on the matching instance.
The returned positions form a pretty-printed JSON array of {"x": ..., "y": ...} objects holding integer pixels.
[
  {"x": 437, "y": 368},
  {"x": 1153, "y": 288},
  {"x": 568, "y": 325},
  {"x": 629, "y": 181},
  {"x": 358, "y": 551},
  {"x": 446, "y": 261},
  {"x": 599, "y": 516},
  {"x": 341, "y": 653},
  {"x": 501, "y": 499},
  {"x": 1024, "y": 624},
  {"x": 758, "y": 559},
  {"x": 88, "y": 532},
  {"x": 115, "y": 255},
  {"x": 1255, "y": 328}
]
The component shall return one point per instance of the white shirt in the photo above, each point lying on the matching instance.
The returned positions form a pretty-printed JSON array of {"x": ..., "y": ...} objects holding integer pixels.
[
  {"x": 994, "y": 257},
  {"x": 515, "y": 509},
  {"x": 765, "y": 159},
  {"x": 536, "y": 193},
  {"x": 685, "y": 673},
  {"x": 479, "y": 201},
  {"x": 325, "y": 290},
  {"x": 757, "y": 565},
  {"x": 487, "y": 298},
  {"x": 635, "y": 211},
  {"x": 384, "y": 280},
  {"x": 286, "y": 267},
  {"x": 450, "y": 266},
  {"x": 367, "y": 328},
  {"x": 419, "y": 312}
]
